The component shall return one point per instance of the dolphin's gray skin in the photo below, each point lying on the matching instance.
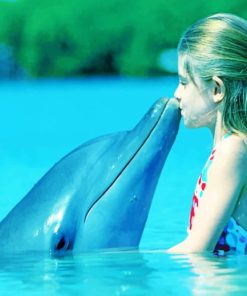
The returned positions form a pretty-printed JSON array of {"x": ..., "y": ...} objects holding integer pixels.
[{"x": 99, "y": 195}]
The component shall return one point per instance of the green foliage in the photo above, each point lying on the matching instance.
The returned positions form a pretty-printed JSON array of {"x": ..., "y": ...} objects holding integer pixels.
[{"x": 75, "y": 37}]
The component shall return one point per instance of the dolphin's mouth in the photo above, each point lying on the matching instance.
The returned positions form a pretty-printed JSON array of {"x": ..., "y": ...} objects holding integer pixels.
[{"x": 128, "y": 162}]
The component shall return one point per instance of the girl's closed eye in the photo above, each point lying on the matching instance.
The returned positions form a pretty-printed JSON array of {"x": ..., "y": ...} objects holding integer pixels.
[
  {"x": 182, "y": 80},
  {"x": 183, "y": 83}
]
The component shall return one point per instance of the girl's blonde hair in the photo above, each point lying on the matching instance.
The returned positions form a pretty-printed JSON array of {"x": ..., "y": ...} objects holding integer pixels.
[{"x": 217, "y": 46}]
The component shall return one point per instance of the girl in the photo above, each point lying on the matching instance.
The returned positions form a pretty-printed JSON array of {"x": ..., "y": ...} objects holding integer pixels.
[{"x": 212, "y": 92}]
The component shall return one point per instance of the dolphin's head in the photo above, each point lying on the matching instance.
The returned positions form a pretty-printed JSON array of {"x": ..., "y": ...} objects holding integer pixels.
[
  {"x": 113, "y": 211},
  {"x": 99, "y": 195}
]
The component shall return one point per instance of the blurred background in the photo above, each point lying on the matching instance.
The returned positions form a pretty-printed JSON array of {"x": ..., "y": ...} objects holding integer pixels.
[{"x": 74, "y": 38}]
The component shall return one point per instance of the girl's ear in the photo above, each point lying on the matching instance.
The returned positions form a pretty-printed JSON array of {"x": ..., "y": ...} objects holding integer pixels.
[{"x": 219, "y": 89}]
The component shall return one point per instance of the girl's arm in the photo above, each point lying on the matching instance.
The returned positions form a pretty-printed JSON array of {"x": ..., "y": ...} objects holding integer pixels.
[{"x": 227, "y": 177}]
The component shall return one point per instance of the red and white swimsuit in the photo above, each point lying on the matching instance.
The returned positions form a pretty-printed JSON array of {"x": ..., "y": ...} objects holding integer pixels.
[{"x": 234, "y": 237}]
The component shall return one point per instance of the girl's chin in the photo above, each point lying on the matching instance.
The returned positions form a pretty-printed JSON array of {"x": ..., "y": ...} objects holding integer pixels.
[{"x": 190, "y": 123}]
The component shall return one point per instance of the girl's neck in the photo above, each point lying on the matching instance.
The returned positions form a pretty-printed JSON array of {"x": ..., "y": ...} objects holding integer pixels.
[{"x": 217, "y": 129}]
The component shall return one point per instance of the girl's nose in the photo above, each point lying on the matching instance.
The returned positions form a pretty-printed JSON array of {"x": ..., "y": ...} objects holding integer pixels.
[{"x": 177, "y": 94}]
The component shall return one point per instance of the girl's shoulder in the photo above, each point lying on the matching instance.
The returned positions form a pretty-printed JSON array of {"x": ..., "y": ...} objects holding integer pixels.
[
  {"x": 233, "y": 151},
  {"x": 229, "y": 166},
  {"x": 235, "y": 143}
]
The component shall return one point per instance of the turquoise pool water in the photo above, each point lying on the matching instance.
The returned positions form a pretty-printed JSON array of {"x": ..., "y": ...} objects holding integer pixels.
[{"x": 43, "y": 120}]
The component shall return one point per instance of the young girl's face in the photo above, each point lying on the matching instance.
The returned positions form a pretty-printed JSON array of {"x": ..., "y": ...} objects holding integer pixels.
[{"x": 196, "y": 101}]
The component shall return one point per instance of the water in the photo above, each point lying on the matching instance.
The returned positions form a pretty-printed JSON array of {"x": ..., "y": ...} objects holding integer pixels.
[
  {"x": 43, "y": 120},
  {"x": 137, "y": 273}
]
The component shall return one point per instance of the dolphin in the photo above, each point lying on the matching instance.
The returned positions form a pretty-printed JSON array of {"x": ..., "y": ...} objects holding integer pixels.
[{"x": 99, "y": 195}]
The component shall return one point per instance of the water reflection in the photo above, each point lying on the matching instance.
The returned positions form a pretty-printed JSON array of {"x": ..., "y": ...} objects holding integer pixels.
[
  {"x": 123, "y": 273},
  {"x": 212, "y": 275},
  {"x": 89, "y": 274}
]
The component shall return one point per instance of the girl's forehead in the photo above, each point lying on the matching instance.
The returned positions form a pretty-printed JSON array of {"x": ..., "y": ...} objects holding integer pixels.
[
  {"x": 186, "y": 71},
  {"x": 182, "y": 69}
]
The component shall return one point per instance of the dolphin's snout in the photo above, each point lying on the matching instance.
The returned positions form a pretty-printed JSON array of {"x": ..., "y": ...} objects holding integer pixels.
[
  {"x": 165, "y": 102},
  {"x": 174, "y": 102},
  {"x": 173, "y": 106},
  {"x": 169, "y": 102}
]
